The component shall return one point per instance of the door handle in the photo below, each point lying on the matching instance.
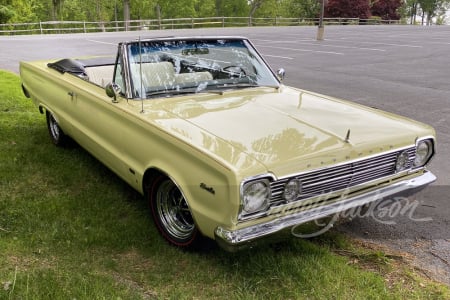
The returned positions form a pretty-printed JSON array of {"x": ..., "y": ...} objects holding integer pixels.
[{"x": 72, "y": 95}]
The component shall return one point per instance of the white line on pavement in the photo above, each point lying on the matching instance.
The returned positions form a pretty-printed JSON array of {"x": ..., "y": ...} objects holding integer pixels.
[
  {"x": 276, "y": 56},
  {"x": 301, "y": 50},
  {"x": 100, "y": 42}
]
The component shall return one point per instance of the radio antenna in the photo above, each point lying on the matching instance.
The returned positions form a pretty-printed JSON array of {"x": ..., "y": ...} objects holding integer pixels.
[{"x": 140, "y": 76}]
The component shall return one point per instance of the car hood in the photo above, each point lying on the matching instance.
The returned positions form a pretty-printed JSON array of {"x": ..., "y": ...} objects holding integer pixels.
[{"x": 284, "y": 130}]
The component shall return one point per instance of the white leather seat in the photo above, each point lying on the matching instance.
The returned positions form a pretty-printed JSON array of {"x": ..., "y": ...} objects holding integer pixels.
[
  {"x": 161, "y": 75},
  {"x": 100, "y": 75}
]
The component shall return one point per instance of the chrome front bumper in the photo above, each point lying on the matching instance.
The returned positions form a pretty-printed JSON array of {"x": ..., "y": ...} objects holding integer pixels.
[{"x": 233, "y": 240}]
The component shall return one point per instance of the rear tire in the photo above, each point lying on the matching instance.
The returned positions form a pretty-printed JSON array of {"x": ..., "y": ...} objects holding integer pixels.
[
  {"x": 172, "y": 215},
  {"x": 57, "y": 135}
]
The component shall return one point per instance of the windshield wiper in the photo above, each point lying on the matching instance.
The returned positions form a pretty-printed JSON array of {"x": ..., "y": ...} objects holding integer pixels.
[
  {"x": 233, "y": 85},
  {"x": 214, "y": 88},
  {"x": 171, "y": 92},
  {"x": 221, "y": 87}
]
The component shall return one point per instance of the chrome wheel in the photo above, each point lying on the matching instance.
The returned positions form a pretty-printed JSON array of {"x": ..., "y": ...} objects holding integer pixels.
[
  {"x": 54, "y": 128},
  {"x": 56, "y": 134},
  {"x": 172, "y": 214}
]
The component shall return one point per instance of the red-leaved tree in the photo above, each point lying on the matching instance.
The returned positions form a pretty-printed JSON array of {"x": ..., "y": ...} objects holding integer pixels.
[
  {"x": 348, "y": 9},
  {"x": 386, "y": 9}
]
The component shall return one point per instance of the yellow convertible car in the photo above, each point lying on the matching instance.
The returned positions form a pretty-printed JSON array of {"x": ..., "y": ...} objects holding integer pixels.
[{"x": 220, "y": 148}]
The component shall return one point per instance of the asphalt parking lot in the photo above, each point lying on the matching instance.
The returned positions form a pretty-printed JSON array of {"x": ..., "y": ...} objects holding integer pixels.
[{"x": 401, "y": 69}]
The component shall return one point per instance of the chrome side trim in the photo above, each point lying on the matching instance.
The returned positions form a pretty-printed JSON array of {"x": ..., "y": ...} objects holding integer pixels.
[{"x": 233, "y": 240}]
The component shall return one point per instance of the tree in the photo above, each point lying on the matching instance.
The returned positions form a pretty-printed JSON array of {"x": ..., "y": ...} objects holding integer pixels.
[
  {"x": 386, "y": 9},
  {"x": 126, "y": 13},
  {"x": 177, "y": 9},
  {"x": 235, "y": 8},
  {"x": 409, "y": 10},
  {"x": 432, "y": 8},
  {"x": 19, "y": 11},
  {"x": 302, "y": 8},
  {"x": 56, "y": 8},
  {"x": 6, "y": 13},
  {"x": 219, "y": 7},
  {"x": 348, "y": 9},
  {"x": 268, "y": 9},
  {"x": 426, "y": 9},
  {"x": 205, "y": 8},
  {"x": 254, "y": 5}
]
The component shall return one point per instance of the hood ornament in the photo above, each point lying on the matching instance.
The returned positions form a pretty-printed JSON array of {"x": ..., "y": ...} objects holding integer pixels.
[{"x": 347, "y": 137}]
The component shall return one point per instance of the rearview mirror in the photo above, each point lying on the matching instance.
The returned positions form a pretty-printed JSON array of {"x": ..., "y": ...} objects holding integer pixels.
[
  {"x": 112, "y": 90},
  {"x": 281, "y": 73}
]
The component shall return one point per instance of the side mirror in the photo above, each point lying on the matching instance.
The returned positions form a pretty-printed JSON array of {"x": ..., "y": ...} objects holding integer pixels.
[
  {"x": 281, "y": 73},
  {"x": 112, "y": 90}
]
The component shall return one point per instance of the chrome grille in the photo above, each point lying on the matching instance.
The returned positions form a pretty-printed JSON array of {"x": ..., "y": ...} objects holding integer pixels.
[{"x": 341, "y": 177}]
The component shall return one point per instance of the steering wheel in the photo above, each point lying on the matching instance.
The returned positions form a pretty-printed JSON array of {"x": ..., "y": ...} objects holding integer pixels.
[{"x": 234, "y": 71}]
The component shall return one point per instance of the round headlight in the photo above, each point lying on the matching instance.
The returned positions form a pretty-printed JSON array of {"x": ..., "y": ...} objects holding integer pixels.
[
  {"x": 255, "y": 196},
  {"x": 402, "y": 162},
  {"x": 424, "y": 150},
  {"x": 292, "y": 189}
]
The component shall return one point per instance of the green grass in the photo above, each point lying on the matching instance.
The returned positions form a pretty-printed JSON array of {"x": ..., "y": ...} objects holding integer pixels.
[{"x": 70, "y": 229}]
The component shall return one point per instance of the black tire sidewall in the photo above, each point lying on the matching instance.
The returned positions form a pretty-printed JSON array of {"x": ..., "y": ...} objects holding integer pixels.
[
  {"x": 51, "y": 121},
  {"x": 183, "y": 243}
]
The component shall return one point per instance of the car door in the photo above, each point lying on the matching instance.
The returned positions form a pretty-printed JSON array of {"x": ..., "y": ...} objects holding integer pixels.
[{"x": 96, "y": 123}]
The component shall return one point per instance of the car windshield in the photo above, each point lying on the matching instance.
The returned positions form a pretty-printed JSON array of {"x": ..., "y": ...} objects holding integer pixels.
[{"x": 174, "y": 67}]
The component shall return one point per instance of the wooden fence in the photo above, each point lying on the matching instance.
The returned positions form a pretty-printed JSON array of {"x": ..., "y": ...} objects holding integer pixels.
[{"x": 160, "y": 24}]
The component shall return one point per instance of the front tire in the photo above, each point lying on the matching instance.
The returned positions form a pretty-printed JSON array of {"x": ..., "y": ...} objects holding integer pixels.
[
  {"x": 57, "y": 135},
  {"x": 172, "y": 215}
]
